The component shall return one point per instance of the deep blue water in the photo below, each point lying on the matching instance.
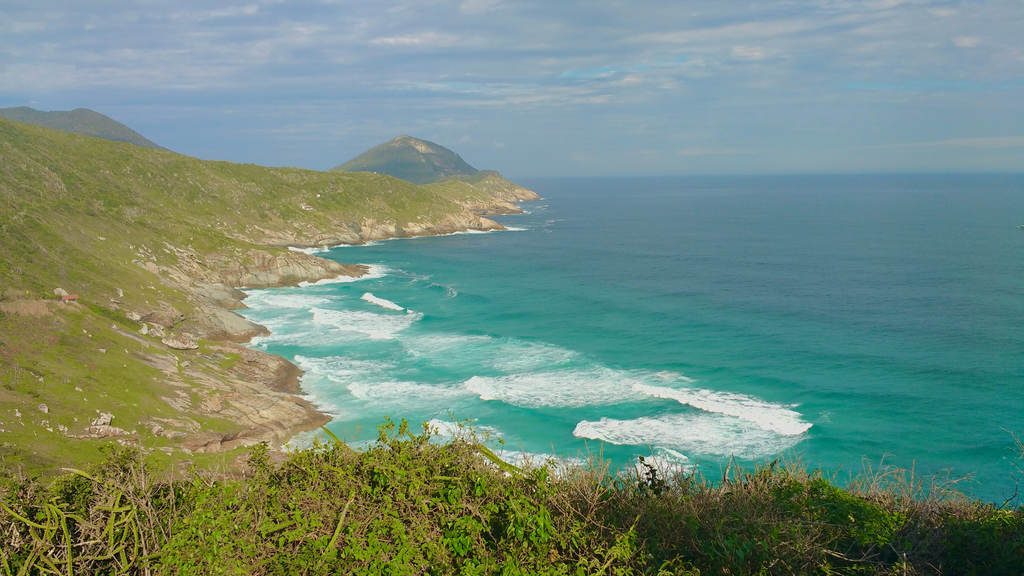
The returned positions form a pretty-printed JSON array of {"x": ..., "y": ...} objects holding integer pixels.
[{"x": 841, "y": 320}]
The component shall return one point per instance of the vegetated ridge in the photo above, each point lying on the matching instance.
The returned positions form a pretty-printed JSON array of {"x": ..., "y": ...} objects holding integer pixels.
[
  {"x": 148, "y": 247},
  {"x": 437, "y": 167},
  {"x": 81, "y": 121},
  {"x": 411, "y": 159}
]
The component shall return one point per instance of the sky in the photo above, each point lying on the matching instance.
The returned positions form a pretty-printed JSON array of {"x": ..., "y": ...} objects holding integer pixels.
[{"x": 550, "y": 88}]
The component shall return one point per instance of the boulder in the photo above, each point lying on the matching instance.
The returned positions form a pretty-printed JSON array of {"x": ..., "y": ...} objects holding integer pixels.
[
  {"x": 182, "y": 341},
  {"x": 104, "y": 419}
]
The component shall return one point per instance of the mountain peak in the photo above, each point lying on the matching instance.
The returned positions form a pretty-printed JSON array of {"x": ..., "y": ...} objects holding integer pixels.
[
  {"x": 410, "y": 158},
  {"x": 80, "y": 120}
]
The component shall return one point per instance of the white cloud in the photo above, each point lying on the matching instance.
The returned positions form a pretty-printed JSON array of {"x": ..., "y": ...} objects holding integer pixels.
[
  {"x": 418, "y": 40},
  {"x": 726, "y": 32},
  {"x": 748, "y": 52},
  {"x": 228, "y": 12},
  {"x": 631, "y": 80},
  {"x": 830, "y": 71},
  {"x": 966, "y": 41}
]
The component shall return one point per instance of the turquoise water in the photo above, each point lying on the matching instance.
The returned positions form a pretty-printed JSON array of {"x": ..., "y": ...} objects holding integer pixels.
[{"x": 839, "y": 320}]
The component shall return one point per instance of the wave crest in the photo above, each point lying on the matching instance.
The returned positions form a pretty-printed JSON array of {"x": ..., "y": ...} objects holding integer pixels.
[
  {"x": 382, "y": 302},
  {"x": 702, "y": 433}
]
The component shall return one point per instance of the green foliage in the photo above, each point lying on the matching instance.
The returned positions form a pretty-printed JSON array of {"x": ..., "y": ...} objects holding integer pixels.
[
  {"x": 411, "y": 506},
  {"x": 867, "y": 525},
  {"x": 984, "y": 540}
]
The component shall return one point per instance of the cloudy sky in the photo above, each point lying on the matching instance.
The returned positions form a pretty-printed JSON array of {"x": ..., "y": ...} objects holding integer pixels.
[{"x": 542, "y": 88}]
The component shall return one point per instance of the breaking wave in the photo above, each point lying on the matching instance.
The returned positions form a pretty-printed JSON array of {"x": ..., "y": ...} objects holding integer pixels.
[
  {"x": 698, "y": 433},
  {"x": 360, "y": 323},
  {"x": 382, "y": 302},
  {"x": 773, "y": 417}
]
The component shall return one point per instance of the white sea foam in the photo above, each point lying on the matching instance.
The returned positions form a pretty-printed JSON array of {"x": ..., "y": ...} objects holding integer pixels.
[
  {"x": 446, "y": 430},
  {"x": 702, "y": 433},
  {"x": 773, "y": 417},
  {"x": 670, "y": 376},
  {"x": 352, "y": 389},
  {"x": 566, "y": 388},
  {"x": 666, "y": 463},
  {"x": 404, "y": 392},
  {"x": 278, "y": 298},
  {"x": 375, "y": 271},
  {"x": 446, "y": 348},
  {"x": 519, "y": 356},
  {"x": 310, "y": 249},
  {"x": 472, "y": 231},
  {"x": 341, "y": 369},
  {"x": 382, "y": 302},
  {"x": 370, "y": 243},
  {"x": 368, "y": 324},
  {"x": 536, "y": 459}
]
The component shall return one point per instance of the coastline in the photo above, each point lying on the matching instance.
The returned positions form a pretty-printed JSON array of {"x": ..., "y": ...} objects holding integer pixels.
[
  {"x": 121, "y": 284},
  {"x": 268, "y": 398}
]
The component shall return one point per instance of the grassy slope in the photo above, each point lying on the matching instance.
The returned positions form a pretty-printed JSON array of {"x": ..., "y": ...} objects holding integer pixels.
[{"x": 93, "y": 217}]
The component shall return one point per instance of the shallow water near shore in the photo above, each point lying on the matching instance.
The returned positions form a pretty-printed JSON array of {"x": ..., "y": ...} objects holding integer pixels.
[{"x": 835, "y": 319}]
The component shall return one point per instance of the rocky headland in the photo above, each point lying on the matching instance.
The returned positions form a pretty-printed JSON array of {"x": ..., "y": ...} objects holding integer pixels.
[{"x": 121, "y": 272}]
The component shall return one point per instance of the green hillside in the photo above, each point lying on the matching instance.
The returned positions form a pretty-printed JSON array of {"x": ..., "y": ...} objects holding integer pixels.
[
  {"x": 410, "y": 159},
  {"x": 79, "y": 120},
  {"x": 153, "y": 244}
]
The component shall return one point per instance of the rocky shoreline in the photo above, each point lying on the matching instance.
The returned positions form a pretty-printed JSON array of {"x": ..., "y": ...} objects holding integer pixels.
[{"x": 261, "y": 391}]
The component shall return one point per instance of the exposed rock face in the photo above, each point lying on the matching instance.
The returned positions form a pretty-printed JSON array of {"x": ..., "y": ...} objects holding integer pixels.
[
  {"x": 260, "y": 393},
  {"x": 182, "y": 341},
  {"x": 505, "y": 190},
  {"x": 222, "y": 324},
  {"x": 375, "y": 230},
  {"x": 503, "y": 196},
  {"x": 165, "y": 316},
  {"x": 104, "y": 419},
  {"x": 105, "y": 432},
  {"x": 100, "y": 427},
  {"x": 262, "y": 269}
]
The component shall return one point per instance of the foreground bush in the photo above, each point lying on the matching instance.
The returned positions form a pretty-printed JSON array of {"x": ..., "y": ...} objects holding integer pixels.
[{"x": 409, "y": 506}]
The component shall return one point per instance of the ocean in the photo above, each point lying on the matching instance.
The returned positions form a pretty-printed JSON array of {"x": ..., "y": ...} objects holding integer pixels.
[{"x": 843, "y": 322}]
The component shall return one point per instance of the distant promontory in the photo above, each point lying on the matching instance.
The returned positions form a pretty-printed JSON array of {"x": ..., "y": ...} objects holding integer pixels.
[{"x": 80, "y": 121}]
